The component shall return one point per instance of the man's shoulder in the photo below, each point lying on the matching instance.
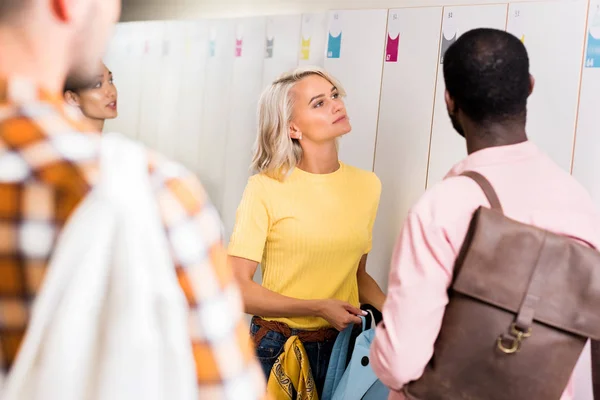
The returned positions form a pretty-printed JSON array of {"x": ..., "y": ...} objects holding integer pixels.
[
  {"x": 166, "y": 173},
  {"x": 38, "y": 141},
  {"x": 447, "y": 201}
]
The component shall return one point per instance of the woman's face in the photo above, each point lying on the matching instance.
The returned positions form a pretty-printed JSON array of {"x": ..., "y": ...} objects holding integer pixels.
[
  {"x": 319, "y": 113},
  {"x": 99, "y": 102}
]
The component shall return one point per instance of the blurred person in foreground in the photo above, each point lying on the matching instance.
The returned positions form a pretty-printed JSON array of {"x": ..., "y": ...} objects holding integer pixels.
[{"x": 49, "y": 162}]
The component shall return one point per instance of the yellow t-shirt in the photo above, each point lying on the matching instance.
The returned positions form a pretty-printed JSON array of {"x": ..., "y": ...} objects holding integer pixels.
[{"x": 309, "y": 233}]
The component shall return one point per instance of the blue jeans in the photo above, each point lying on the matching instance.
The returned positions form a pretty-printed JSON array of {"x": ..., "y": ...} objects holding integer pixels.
[{"x": 271, "y": 346}]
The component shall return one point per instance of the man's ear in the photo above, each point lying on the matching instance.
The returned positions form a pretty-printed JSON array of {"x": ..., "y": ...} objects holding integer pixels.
[
  {"x": 531, "y": 84},
  {"x": 450, "y": 105},
  {"x": 64, "y": 10}
]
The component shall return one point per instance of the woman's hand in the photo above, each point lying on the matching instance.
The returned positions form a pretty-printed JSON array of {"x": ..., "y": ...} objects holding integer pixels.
[{"x": 339, "y": 313}]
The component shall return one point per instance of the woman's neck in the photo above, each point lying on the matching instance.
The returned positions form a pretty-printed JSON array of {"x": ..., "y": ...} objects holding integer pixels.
[
  {"x": 319, "y": 159},
  {"x": 98, "y": 124}
]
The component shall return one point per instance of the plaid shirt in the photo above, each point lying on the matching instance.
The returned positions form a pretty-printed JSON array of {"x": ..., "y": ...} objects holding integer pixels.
[{"x": 47, "y": 166}]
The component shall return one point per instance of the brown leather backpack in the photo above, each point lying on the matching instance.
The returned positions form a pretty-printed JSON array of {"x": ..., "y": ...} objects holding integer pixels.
[{"x": 523, "y": 303}]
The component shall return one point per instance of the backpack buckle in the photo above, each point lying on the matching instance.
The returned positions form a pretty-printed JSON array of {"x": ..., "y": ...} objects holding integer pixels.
[{"x": 512, "y": 344}]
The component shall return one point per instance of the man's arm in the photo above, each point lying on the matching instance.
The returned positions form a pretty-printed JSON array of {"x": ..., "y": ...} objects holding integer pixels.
[
  {"x": 420, "y": 274},
  {"x": 225, "y": 363}
]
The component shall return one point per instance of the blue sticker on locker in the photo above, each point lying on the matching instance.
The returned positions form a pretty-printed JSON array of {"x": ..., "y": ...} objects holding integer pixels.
[
  {"x": 212, "y": 48},
  {"x": 592, "y": 56},
  {"x": 334, "y": 46}
]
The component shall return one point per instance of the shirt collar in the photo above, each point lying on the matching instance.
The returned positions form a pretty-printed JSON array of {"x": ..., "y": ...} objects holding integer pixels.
[{"x": 495, "y": 155}]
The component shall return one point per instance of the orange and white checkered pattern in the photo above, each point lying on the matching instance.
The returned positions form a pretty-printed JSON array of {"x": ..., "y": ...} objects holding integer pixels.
[{"x": 49, "y": 161}]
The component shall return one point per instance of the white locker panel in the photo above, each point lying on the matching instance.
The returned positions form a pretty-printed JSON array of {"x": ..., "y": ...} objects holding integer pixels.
[
  {"x": 241, "y": 131},
  {"x": 215, "y": 113},
  {"x": 586, "y": 166},
  {"x": 313, "y": 39},
  {"x": 173, "y": 53},
  {"x": 555, "y": 56},
  {"x": 407, "y": 97},
  {"x": 188, "y": 122},
  {"x": 355, "y": 56},
  {"x": 447, "y": 146},
  {"x": 153, "y": 33},
  {"x": 582, "y": 378},
  {"x": 117, "y": 46},
  {"x": 124, "y": 59},
  {"x": 282, "y": 46}
]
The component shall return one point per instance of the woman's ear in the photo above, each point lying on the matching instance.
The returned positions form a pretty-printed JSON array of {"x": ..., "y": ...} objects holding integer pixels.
[
  {"x": 72, "y": 98},
  {"x": 295, "y": 132}
]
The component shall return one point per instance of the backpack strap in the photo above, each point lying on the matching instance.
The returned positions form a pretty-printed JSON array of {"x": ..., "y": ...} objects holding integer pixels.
[
  {"x": 521, "y": 328},
  {"x": 487, "y": 188}
]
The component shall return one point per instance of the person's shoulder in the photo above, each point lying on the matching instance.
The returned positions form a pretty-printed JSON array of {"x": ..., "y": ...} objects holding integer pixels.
[
  {"x": 262, "y": 179},
  {"x": 567, "y": 185},
  {"x": 171, "y": 175},
  {"x": 363, "y": 177},
  {"x": 37, "y": 140},
  {"x": 183, "y": 202},
  {"x": 261, "y": 182},
  {"x": 448, "y": 201}
]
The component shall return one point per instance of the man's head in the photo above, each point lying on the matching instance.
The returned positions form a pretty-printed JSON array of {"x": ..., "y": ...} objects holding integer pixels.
[
  {"x": 11, "y": 9},
  {"x": 487, "y": 79},
  {"x": 73, "y": 34}
]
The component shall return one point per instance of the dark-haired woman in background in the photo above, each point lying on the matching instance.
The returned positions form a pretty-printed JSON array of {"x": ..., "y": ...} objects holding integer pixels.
[{"x": 97, "y": 102}]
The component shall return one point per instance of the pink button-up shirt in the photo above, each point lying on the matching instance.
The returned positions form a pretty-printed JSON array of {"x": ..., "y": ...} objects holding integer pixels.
[{"x": 531, "y": 188}]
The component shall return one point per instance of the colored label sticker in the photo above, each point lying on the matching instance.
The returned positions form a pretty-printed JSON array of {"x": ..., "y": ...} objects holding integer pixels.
[
  {"x": 334, "y": 46},
  {"x": 305, "y": 49},
  {"x": 238, "y": 47},
  {"x": 592, "y": 56},
  {"x": 446, "y": 43},
  {"x": 592, "y": 52},
  {"x": 449, "y": 34},
  {"x": 212, "y": 48},
  {"x": 391, "y": 50},
  {"x": 270, "y": 46}
]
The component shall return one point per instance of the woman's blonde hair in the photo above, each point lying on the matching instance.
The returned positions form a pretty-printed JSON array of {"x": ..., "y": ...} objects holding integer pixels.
[{"x": 276, "y": 153}]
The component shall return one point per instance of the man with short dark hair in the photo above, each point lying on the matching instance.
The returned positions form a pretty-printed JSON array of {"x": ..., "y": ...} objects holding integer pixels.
[
  {"x": 487, "y": 78},
  {"x": 49, "y": 162}
]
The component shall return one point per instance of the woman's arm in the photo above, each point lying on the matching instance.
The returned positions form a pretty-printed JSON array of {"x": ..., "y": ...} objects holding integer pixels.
[
  {"x": 368, "y": 290},
  {"x": 266, "y": 303}
]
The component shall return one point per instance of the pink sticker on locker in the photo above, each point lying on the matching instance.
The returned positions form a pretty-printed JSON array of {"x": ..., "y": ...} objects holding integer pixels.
[
  {"x": 238, "y": 47},
  {"x": 391, "y": 52}
]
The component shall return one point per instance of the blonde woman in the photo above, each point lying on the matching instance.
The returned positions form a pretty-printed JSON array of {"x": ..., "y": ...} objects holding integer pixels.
[{"x": 307, "y": 218}]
